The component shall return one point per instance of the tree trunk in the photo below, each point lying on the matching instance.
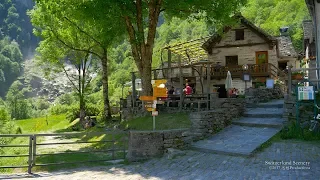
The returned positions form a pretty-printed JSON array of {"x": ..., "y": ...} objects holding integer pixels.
[
  {"x": 145, "y": 71},
  {"x": 142, "y": 48},
  {"x": 106, "y": 108},
  {"x": 82, "y": 110}
]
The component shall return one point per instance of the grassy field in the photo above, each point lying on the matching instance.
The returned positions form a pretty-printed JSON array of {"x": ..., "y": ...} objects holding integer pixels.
[
  {"x": 43, "y": 124},
  {"x": 59, "y": 124}
]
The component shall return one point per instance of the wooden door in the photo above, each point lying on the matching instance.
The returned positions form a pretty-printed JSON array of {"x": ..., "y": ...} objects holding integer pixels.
[{"x": 261, "y": 57}]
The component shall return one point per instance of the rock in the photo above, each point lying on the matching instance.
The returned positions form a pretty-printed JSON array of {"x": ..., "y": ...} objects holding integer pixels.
[{"x": 173, "y": 153}]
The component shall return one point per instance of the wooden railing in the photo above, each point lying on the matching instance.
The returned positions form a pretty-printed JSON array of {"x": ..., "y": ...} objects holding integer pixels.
[{"x": 219, "y": 72}]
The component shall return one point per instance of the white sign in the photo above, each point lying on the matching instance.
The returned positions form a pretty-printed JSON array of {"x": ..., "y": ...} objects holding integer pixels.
[
  {"x": 305, "y": 93},
  {"x": 246, "y": 77},
  {"x": 270, "y": 83},
  {"x": 155, "y": 113}
]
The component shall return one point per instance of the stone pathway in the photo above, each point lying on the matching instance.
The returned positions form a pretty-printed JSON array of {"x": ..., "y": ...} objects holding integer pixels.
[
  {"x": 285, "y": 160},
  {"x": 248, "y": 133}
]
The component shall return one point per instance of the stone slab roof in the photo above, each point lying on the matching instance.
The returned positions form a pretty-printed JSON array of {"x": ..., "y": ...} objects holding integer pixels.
[
  {"x": 308, "y": 29},
  {"x": 285, "y": 47}
]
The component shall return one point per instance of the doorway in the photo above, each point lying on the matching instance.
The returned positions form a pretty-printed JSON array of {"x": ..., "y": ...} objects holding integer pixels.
[
  {"x": 282, "y": 65},
  {"x": 261, "y": 57}
]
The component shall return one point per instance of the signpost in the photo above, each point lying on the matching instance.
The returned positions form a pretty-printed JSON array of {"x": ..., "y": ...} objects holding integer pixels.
[
  {"x": 150, "y": 102},
  {"x": 305, "y": 94},
  {"x": 154, "y": 114}
]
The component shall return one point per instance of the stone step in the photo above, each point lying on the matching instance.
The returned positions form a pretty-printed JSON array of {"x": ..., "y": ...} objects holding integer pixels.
[
  {"x": 264, "y": 112},
  {"x": 236, "y": 140},
  {"x": 272, "y": 104},
  {"x": 259, "y": 122},
  {"x": 264, "y": 106}
]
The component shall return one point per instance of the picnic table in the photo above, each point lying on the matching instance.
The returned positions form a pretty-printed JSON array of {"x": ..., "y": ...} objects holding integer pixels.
[{"x": 188, "y": 101}]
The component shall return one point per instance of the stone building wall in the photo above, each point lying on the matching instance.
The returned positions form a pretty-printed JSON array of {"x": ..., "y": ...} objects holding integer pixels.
[
  {"x": 249, "y": 37},
  {"x": 246, "y": 52}
]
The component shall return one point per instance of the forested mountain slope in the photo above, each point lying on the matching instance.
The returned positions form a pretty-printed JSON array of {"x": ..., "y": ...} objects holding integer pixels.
[
  {"x": 15, "y": 23},
  {"x": 272, "y": 14}
]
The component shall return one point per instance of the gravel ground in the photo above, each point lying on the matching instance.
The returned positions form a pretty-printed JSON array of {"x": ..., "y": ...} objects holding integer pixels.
[{"x": 282, "y": 160}]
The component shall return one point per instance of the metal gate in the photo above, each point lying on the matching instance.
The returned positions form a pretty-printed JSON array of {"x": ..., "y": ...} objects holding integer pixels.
[{"x": 117, "y": 142}]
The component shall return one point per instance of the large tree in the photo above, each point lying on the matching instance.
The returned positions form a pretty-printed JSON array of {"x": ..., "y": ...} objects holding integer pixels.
[
  {"x": 54, "y": 56},
  {"x": 60, "y": 20},
  {"x": 141, "y": 19}
]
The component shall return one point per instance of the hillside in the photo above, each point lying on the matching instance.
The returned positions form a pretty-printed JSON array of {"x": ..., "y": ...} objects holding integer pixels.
[{"x": 15, "y": 23}]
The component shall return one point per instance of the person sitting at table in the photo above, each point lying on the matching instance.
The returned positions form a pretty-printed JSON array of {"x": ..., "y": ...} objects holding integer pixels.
[
  {"x": 187, "y": 90},
  {"x": 171, "y": 90}
]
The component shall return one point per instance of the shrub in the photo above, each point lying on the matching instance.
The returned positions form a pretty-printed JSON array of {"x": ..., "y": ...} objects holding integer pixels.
[
  {"x": 74, "y": 111},
  {"x": 59, "y": 109},
  {"x": 3, "y": 114},
  {"x": 295, "y": 132}
]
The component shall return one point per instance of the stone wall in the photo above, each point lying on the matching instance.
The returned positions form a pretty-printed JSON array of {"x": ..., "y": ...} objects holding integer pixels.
[
  {"x": 290, "y": 112},
  {"x": 206, "y": 123},
  {"x": 263, "y": 94},
  {"x": 146, "y": 144}
]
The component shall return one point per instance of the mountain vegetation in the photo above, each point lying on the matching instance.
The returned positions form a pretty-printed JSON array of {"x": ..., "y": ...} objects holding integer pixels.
[{"x": 270, "y": 15}]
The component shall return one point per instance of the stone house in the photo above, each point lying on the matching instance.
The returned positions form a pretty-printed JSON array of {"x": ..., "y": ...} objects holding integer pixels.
[{"x": 243, "y": 44}]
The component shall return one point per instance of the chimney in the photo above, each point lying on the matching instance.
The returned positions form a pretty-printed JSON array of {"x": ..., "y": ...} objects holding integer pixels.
[{"x": 284, "y": 31}]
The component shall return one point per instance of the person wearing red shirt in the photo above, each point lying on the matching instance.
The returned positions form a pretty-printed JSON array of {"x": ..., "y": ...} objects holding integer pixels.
[{"x": 187, "y": 90}]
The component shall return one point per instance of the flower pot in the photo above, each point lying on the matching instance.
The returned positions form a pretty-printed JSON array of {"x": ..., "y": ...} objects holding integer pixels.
[{"x": 297, "y": 76}]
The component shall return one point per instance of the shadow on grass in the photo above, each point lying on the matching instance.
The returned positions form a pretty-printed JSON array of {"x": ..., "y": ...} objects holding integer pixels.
[
  {"x": 99, "y": 149},
  {"x": 93, "y": 148}
]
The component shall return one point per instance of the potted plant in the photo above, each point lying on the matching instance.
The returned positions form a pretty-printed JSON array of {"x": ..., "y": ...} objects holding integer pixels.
[{"x": 297, "y": 75}]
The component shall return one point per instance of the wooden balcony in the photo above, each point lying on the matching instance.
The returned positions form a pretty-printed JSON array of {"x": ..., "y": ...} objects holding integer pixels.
[{"x": 256, "y": 70}]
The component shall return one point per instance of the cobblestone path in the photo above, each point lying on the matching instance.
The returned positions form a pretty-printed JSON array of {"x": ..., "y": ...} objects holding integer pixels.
[{"x": 282, "y": 160}]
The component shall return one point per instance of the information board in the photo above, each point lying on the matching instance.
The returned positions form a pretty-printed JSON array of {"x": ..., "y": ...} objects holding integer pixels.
[{"x": 305, "y": 93}]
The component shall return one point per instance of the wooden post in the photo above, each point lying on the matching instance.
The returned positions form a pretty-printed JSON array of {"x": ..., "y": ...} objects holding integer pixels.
[
  {"x": 134, "y": 96},
  {"x": 155, "y": 74},
  {"x": 30, "y": 155},
  {"x": 169, "y": 65},
  {"x": 34, "y": 149},
  {"x": 289, "y": 82},
  {"x": 208, "y": 84},
  {"x": 113, "y": 148},
  {"x": 181, "y": 84}
]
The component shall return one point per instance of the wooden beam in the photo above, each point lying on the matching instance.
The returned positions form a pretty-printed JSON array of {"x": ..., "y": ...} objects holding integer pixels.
[
  {"x": 169, "y": 64},
  {"x": 181, "y": 84},
  {"x": 208, "y": 84},
  {"x": 239, "y": 45}
]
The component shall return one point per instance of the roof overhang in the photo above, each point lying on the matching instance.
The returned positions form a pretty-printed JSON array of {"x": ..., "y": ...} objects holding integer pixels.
[{"x": 190, "y": 51}]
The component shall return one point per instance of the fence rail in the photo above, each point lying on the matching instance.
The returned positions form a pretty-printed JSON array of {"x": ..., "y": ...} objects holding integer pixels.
[{"x": 33, "y": 154}]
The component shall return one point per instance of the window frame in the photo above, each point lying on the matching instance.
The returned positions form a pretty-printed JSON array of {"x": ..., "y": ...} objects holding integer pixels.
[{"x": 239, "y": 34}]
